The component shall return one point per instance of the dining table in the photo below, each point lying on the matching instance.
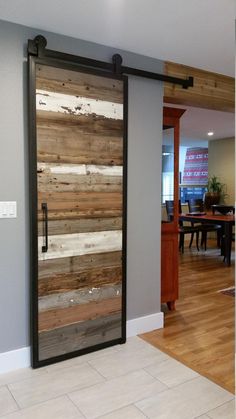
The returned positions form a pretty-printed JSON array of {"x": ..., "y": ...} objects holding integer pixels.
[{"x": 226, "y": 221}]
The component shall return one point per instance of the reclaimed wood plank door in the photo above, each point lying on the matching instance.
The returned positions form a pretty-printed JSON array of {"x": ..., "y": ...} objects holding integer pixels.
[{"x": 78, "y": 211}]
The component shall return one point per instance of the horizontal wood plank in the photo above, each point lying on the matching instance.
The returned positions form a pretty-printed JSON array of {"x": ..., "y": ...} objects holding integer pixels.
[
  {"x": 79, "y": 336},
  {"x": 78, "y": 83},
  {"x": 83, "y": 225},
  {"x": 79, "y": 169},
  {"x": 210, "y": 90},
  {"x": 66, "y": 282},
  {"x": 70, "y": 144},
  {"x": 76, "y": 213},
  {"x": 77, "y": 105},
  {"x": 81, "y": 296},
  {"x": 77, "y": 178},
  {"x": 80, "y": 243},
  {"x": 52, "y": 319},
  {"x": 76, "y": 264},
  {"x": 67, "y": 205},
  {"x": 49, "y": 182},
  {"x": 91, "y": 124}
]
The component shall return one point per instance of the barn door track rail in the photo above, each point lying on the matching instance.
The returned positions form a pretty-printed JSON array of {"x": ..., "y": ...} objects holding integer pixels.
[{"x": 37, "y": 47}]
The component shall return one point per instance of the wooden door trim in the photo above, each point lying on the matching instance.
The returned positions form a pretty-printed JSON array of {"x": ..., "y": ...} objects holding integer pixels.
[{"x": 169, "y": 230}]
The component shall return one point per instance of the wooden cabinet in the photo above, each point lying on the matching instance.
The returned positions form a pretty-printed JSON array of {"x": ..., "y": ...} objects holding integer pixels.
[{"x": 170, "y": 186}]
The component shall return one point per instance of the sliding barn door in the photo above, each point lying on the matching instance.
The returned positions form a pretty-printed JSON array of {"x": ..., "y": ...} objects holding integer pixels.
[{"x": 80, "y": 156}]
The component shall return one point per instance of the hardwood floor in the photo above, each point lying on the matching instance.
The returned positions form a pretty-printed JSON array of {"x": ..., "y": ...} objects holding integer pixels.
[{"x": 200, "y": 333}]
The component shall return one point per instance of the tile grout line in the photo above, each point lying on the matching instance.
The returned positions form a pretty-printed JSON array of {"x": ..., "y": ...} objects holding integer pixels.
[
  {"x": 183, "y": 382},
  {"x": 17, "y": 404},
  {"x": 20, "y": 409},
  {"x": 141, "y": 412},
  {"x": 18, "y": 380},
  {"x": 74, "y": 389},
  {"x": 136, "y": 401},
  {"x": 95, "y": 369},
  {"x": 220, "y": 405},
  {"x": 119, "y": 408},
  {"x": 79, "y": 411},
  {"x": 127, "y": 372}
]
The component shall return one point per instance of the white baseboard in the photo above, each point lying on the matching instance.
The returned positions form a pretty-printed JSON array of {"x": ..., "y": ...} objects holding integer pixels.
[
  {"x": 13, "y": 360},
  {"x": 20, "y": 358},
  {"x": 144, "y": 324}
]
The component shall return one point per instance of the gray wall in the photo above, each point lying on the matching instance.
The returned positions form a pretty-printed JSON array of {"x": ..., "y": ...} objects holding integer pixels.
[
  {"x": 221, "y": 162},
  {"x": 144, "y": 165}
]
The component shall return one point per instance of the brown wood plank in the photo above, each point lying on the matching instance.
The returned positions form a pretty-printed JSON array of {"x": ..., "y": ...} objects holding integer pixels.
[
  {"x": 78, "y": 83},
  {"x": 52, "y": 319},
  {"x": 210, "y": 90},
  {"x": 79, "y": 336},
  {"x": 81, "y": 225},
  {"x": 81, "y": 213},
  {"x": 70, "y": 144},
  {"x": 95, "y": 277},
  {"x": 51, "y": 182},
  {"x": 91, "y": 124},
  {"x": 70, "y": 204},
  {"x": 76, "y": 264}
]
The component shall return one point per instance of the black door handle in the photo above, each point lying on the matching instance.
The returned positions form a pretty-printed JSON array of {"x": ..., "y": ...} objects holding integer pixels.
[{"x": 45, "y": 227}]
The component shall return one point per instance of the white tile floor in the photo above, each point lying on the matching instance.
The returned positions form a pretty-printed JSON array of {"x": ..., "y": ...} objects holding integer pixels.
[{"x": 131, "y": 381}]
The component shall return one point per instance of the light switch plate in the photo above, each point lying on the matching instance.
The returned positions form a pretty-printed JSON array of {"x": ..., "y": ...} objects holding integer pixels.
[{"x": 8, "y": 209}]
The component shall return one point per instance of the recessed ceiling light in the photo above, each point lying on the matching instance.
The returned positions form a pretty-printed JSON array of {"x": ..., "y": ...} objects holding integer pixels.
[{"x": 210, "y": 133}]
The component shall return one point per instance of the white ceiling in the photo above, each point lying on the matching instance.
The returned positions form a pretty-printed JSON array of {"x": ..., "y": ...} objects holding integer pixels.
[
  {"x": 199, "y": 33},
  {"x": 196, "y": 123}
]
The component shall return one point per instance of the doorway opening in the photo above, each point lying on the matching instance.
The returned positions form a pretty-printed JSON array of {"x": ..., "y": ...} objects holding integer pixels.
[{"x": 200, "y": 332}]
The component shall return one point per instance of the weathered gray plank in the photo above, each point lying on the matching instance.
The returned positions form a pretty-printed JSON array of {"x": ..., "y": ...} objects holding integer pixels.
[
  {"x": 79, "y": 336},
  {"x": 81, "y": 296},
  {"x": 77, "y": 264}
]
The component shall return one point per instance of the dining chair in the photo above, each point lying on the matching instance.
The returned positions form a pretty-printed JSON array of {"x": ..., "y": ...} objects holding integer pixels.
[
  {"x": 183, "y": 229},
  {"x": 197, "y": 205}
]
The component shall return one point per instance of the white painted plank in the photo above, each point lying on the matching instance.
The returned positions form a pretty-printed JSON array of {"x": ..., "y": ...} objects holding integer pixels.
[
  {"x": 77, "y": 105},
  {"x": 104, "y": 170},
  {"x": 67, "y": 245},
  {"x": 80, "y": 169},
  {"x": 77, "y": 169}
]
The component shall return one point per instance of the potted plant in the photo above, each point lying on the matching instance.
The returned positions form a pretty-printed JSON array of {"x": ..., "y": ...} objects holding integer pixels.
[{"x": 215, "y": 192}]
